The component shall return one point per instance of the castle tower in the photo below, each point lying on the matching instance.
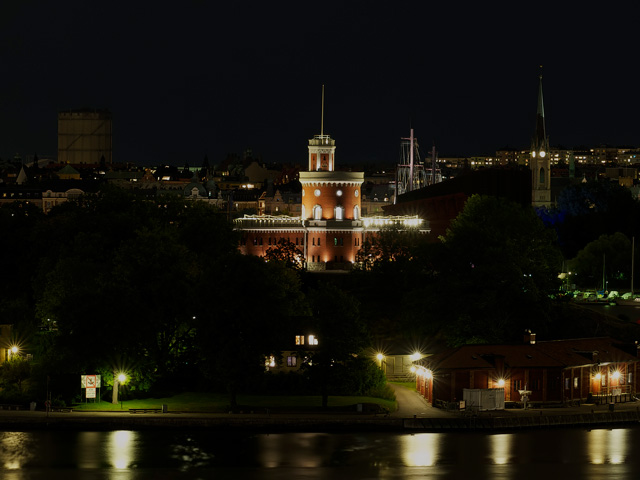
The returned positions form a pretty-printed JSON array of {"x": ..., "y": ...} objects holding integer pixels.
[
  {"x": 540, "y": 159},
  {"x": 331, "y": 203},
  {"x": 330, "y": 230}
]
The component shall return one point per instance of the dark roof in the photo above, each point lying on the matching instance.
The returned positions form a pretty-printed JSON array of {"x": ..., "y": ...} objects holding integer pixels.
[
  {"x": 485, "y": 356},
  {"x": 557, "y": 353}
]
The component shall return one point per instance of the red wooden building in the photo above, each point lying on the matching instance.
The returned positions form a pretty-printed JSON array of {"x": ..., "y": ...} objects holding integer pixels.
[{"x": 579, "y": 370}]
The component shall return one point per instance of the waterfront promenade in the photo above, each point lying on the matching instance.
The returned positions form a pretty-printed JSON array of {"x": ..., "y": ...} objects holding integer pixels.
[{"x": 413, "y": 415}]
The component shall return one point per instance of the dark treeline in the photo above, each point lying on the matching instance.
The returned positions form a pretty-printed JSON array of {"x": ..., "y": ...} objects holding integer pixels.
[
  {"x": 109, "y": 284},
  {"x": 159, "y": 290}
]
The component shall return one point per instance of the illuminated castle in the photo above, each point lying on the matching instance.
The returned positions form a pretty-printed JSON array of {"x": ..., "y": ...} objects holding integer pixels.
[{"x": 330, "y": 230}]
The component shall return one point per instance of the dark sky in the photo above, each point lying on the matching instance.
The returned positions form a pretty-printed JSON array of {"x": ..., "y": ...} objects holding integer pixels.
[{"x": 202, "y": 77}]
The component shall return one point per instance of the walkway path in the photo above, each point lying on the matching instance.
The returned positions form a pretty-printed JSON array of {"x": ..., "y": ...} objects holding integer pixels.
[{"x": 410, "y": 403}]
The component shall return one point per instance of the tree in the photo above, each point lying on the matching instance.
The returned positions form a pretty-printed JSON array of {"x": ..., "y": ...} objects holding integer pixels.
[
  {"x": 391, "y": 250},
  {"x": 588, "y": 210},
  {"x": 495, "y": 270},
  {"x": 13, "y": 373},
  {"x": 286, "y": 252},
  {"x": 250, "y": 305},
  {"x": 606, "y": 260},
  {"x": 340, "y": 332}
]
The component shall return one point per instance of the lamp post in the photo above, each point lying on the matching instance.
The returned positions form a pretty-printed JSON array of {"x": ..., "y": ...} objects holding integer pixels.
[
  {"x": 118, "y": 379},
  {"x": 121, "y": 379}
]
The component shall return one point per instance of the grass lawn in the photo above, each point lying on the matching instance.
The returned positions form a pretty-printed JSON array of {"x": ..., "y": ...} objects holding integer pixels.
[{"x": 212, "y": 402}]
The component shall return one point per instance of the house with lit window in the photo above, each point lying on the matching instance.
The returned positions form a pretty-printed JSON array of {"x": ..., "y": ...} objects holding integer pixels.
[
  {"x": 292, "y": 360},
  {"x": 594, "y": 370},
  {"x": 330, "y": 229}
]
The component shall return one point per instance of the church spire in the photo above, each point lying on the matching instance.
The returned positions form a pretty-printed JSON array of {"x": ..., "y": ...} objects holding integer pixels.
[
  {"x": 540, "y": 158},
  {"x": 539, "y": 145}
]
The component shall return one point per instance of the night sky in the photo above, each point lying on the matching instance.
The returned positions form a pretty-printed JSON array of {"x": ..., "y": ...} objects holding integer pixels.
[{"x": 200, "y": 78}]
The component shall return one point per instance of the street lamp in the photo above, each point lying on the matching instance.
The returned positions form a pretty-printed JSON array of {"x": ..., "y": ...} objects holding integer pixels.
[
  {"x": 13, "y": 351},
  {"x": 118, "y": 379}
]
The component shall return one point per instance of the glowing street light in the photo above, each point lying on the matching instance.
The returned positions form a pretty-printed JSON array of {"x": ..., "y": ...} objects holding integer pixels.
[
  {"x": 13, "y": 351},
  {"x": 118, "y": 379}
]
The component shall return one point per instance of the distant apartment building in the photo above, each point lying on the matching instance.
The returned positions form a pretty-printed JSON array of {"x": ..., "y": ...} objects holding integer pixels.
[{"x": 85, "y": 137}]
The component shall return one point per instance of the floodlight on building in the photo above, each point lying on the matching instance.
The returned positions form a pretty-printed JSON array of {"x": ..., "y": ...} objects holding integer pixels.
[
  {"x": 501, "y": 382},
  {"x": 615, "y": 375},
  {"x": 415, "y": 356},
  {"x": 412, "y": 369},
  {"x": 598, "y": 376},
  {"x": 380, "y": 357}
]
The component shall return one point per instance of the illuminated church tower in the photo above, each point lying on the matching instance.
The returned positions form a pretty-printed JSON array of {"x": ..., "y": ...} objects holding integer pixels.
[
  {"x": 540, "y": 159},
  {"x": 330, "y": 205}
]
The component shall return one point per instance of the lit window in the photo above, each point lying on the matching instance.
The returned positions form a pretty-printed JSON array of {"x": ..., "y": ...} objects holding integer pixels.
[
  {"x": 299, "y": 339},
  {"x": 313, "y": 340},
  {"x": 575, "y": 382},
  {"x": 292, "y": 361}
]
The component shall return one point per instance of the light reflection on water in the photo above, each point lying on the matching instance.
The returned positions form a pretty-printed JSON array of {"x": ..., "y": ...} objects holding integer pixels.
[
  {"x": 120, "y": 448},
  {"x": 419, "y": 450},
  {"x": 131, "y": 455},
  {"x": 608, "y": 446},
  {"x": 15, "y": 450},
  {"x": 500, "y": 448}
]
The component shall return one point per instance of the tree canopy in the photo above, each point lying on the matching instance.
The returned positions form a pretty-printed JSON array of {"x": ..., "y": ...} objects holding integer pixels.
[{"x": 492, "y": 275}]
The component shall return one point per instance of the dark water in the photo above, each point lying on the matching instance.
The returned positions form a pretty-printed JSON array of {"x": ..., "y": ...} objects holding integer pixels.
[{"x": 552, "y": 454}]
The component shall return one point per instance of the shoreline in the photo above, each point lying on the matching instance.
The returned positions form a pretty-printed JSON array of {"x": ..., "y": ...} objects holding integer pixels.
[{"x": 577, "y": 417}]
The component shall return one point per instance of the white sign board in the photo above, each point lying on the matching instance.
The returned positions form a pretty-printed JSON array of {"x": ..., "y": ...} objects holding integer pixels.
[
  {"x": 90, "y": 381},
  {"x": 91, "y": 392}
]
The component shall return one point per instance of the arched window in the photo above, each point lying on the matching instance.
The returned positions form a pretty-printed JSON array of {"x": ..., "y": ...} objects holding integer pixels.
[
  {"x": 303, "y": 213},
  {"x": 339, "y": 213},
  {"x": 356, "y": 213},
  {"x": 317, "y": 212},
  {"x": 542, "y": 176}
]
